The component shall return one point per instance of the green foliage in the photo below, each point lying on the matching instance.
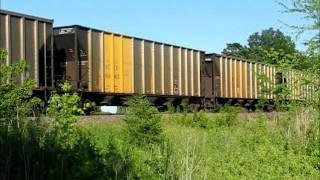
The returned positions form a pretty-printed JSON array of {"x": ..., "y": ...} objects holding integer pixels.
[
  {"x": 16, "y": 134},
  {"x": 114, "y": 151},
  {"x": 152, "y": 162},
  {"x": 308, "y": 10},
  {"x": 170, "y": 108},
  {"x": 270, "y": 39},
  {"x": 15, "y": 99},
  {"x": 236, "y": 50},
  {"x": 142, "y": 122},
  {"x": 182, "y": 108},
  {"x": 295, "y": 60},
  {"x": 197, "y": 119},
  {"x": 49, "y": 147},
  {"x": 284, "y": 85},
  {"x": 63, "y": 110},
  {"x": 228, "y": 116},
  {"x": 258, "y": 148},
  {"x": 71, "y": 146},
  {"x": 97, "y": 109},
  {"x": 260, "y": 44},
  {"x": 313, "y": 143},
  {"x": 121, "y": 110}
]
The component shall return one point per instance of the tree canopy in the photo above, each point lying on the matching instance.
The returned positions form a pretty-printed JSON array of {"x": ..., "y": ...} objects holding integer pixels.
[
  {"x": 260, "y": 43},
  {"x": 309, "y": 10},
  {"x": 271, "y": 39},
  {"x": 236, "y": 50}
]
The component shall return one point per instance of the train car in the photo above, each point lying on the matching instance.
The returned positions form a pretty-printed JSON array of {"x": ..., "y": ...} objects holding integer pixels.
[
  {"x": 230, "y": 80},
  {"x": 106, "y": 66},
  {"x": 300, "y": 86},
  {"x": 235, "y": 81},
  {"x": 29, "y": 38}
]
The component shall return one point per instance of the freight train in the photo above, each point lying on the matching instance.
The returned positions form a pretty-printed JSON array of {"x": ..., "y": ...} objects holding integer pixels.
[{"x": 106, "y": 67}]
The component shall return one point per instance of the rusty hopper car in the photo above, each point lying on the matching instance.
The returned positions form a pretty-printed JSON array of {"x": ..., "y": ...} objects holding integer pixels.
[
  {"x": 105, "y": 66},
  {"x": 229, "y": 80},
  {"x": 29, "y": 38}
]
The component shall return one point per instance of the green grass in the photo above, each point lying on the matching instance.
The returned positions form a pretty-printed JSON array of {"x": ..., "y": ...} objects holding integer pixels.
[{"x": 247, "y": 150}]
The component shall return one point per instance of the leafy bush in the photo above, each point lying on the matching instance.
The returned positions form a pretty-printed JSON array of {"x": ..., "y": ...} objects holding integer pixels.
[
  {"x": 74, "y": 154},
  {"x": 117, "y": 159},
  {"x": 18, "y": 134},
  {"x": 129, "y": 160},
  {"x": 250, "y": 149},
  {"x": 170, "y": 108},
  {"x": 49, "y": 148},
  {"x": 114, "y": 151},
  {"x": 197, "y": 119},
  {"x": 227, "y": 116},
  {"x": 142, "y": 122},
  {"x": 63, "y": 111}
]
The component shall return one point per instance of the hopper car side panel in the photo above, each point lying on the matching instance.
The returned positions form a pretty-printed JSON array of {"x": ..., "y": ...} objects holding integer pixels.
[{"x": 28, "y": 38}]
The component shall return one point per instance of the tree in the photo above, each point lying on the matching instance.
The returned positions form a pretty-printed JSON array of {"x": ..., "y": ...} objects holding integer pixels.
[
  {"x": 292, "y": 60},
  {"x": 16, "y": 101},
  {"x": 271, "y": 39},
  {"x": 64, "y": 110},
  {"x": 310, "y": 11},
  {"x": 143, "y": 122},
  {"x": 259, "y": 44},
  {"x": 16, "y": 134},
  {"x": 236, "y": 50}
]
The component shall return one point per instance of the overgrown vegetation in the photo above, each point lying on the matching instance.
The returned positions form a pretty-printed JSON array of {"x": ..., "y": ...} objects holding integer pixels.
[
  {"x": 36, "y": 147},
  {"x": 258, "y": 146},
  {"x": 143, "y": 122},
  {"x": 196, "y": 119}
]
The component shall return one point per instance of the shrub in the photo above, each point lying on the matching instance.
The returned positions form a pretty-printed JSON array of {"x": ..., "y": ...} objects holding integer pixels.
[
  {"x": 18, "y": 134},
  {"x": 197, "y": 119},
  {"x": 142, "y": 122},
  {"x": 49, "y": 148},
  {"x": 170, "y": 108},
  {"x": 63, "y": 110},
  {"x": 228, "y": 115},
  {"x": 117, "y": 159}
]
